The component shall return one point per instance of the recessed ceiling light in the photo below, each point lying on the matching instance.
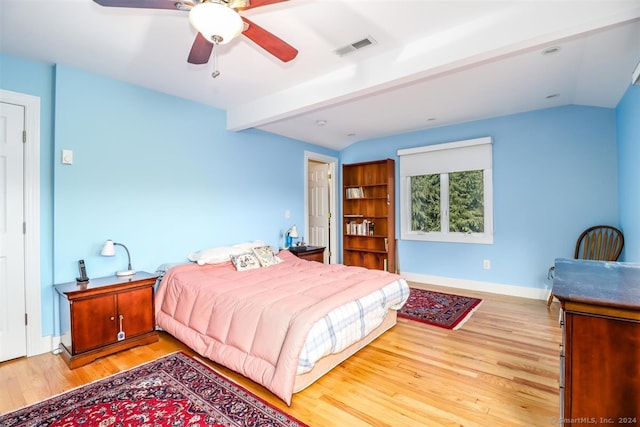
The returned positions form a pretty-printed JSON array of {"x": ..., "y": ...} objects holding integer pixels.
[
  {"x": 551, "y": 50},
  {"x": 321, "y": 122}
]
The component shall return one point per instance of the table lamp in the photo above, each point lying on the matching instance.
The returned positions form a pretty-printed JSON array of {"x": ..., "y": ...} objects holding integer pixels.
[{"x": 109, "y": 250}]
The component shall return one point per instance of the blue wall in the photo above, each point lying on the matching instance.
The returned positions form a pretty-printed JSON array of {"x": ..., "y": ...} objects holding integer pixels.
[
  {"x": 628, "y": 118},
  {"x": 162, "y": 175},
  {"x": 155, "y": 172},
  {"x": 554, "y": 174}
]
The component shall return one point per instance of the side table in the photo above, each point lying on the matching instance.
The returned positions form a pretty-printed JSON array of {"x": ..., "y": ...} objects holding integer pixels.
[
  {"x": 309, "y": 253},
  {"x": 105, "y": 315}
]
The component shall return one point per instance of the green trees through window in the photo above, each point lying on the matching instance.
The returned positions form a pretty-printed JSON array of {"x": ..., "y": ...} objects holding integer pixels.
[
  {"x": 425, "y": 203},
  {"x": 455, "y": 198}
]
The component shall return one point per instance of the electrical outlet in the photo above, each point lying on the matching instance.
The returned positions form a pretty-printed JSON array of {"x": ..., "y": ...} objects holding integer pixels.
[{"x": 486, "y": 264}]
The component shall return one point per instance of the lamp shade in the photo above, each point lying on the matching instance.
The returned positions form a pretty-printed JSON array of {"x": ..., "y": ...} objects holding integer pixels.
[
  {"x": 293, "y": 232},
  {"x": 108, "y": 249},
  {"x": 216, "y": 22}
]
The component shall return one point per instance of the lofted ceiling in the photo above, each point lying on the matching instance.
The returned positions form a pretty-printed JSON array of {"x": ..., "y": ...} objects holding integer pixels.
[{"x": 433, "y": 63}]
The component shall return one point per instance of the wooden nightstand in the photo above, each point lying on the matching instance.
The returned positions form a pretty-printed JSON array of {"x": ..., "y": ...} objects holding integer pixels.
[
  {"x": 310, "y": 253},
  {"x": 105, "y": 315}
]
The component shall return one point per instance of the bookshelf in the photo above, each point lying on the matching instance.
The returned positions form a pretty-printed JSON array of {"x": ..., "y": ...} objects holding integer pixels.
[{"x": 368, "y": 214}]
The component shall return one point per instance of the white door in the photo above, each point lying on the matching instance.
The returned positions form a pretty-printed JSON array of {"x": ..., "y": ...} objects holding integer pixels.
[
  {"x": 13, "y": 333},
  {"x": 318, "y": 193}
]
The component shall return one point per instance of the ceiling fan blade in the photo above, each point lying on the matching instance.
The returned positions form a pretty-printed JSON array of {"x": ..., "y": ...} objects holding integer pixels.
[
  {"x": 257, "y": 3},
  {"x": 269, "y": 42},
  {"x": 200, "y": 50},
  {"x": 143, "y": 4}
]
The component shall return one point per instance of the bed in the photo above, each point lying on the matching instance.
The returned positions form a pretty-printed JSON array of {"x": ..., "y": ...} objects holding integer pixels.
[{"x": 283, "y": 323}]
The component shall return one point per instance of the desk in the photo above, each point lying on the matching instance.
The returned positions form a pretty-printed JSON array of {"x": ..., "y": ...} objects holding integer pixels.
[{"x": 600, "y": 353}]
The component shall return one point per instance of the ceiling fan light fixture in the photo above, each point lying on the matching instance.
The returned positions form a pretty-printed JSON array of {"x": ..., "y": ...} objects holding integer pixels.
[{"x": 216, "y": 22}]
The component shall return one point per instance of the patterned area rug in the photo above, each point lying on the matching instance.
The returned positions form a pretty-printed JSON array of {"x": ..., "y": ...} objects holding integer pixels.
[
  {"x": 439, "y": 309},
  {"x": 175, "y": 390}
]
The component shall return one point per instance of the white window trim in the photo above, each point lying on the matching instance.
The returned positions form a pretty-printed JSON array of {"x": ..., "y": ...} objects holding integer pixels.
[{"x": 444, "y": 235}]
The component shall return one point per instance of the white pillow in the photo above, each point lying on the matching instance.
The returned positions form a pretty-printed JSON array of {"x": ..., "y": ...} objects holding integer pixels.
[
  {"x": 211, "y": 256},
  {"x": 220, "y": 254}
]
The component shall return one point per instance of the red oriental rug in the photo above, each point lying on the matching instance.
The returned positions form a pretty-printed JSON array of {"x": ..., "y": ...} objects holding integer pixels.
[
  {"x": 439, "y": 309},
  {"x": 175, "y": 390}
]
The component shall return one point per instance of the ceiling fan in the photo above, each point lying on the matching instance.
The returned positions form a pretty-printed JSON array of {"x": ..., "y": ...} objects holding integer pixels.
[{"x": 217, "y": 22}]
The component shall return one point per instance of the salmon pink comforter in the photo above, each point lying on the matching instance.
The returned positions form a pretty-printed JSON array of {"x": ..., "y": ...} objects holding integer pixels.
[{"x": 256, "y": 322}]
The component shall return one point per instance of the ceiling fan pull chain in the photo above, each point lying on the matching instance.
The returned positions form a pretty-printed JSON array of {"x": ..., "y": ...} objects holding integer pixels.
[{"x": 216, "y": 72}]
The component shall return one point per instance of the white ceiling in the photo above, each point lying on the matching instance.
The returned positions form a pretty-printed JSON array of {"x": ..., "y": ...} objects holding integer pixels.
[{"x": 435, "y": 63}]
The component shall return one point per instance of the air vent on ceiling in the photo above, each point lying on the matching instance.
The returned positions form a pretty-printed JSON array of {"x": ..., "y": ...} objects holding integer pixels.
[
  {"x": 357, "y": 45},
  {"x": 635, "y": 76}
]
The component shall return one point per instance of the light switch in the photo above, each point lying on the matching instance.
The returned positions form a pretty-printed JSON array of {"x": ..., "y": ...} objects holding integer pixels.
[{"x": 67, "y": 157}]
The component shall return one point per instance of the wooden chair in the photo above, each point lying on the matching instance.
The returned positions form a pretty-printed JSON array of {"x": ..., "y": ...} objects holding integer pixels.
[{"x": 600, "y": 243}]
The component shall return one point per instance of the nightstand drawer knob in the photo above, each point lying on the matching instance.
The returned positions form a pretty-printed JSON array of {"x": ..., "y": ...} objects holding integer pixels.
[{"x": 112, "y": 318}]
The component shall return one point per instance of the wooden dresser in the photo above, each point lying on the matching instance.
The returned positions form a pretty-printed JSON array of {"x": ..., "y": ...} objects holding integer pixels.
[{"x": 600, "y": 354}]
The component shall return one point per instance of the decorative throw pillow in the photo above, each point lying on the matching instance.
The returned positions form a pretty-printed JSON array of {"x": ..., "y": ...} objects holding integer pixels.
[
  {"x": 246, "y": 261},
  {"x": 266, "y": 256}
]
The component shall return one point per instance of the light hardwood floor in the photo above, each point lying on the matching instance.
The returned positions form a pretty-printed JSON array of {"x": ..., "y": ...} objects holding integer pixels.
[{"x": 500, "y": 369}]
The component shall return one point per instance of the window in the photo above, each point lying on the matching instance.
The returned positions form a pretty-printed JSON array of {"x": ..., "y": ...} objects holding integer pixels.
[{"x": 446, "y": 192}]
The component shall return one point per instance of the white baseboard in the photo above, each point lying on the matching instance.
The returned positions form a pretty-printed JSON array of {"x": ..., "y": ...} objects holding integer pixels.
[
  {"x": 473, "y": 285},
  {"x": 42, "y": 345}
]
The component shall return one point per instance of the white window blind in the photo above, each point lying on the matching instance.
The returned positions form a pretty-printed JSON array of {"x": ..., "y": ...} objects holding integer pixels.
[{"x": 472, "y": 154}]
